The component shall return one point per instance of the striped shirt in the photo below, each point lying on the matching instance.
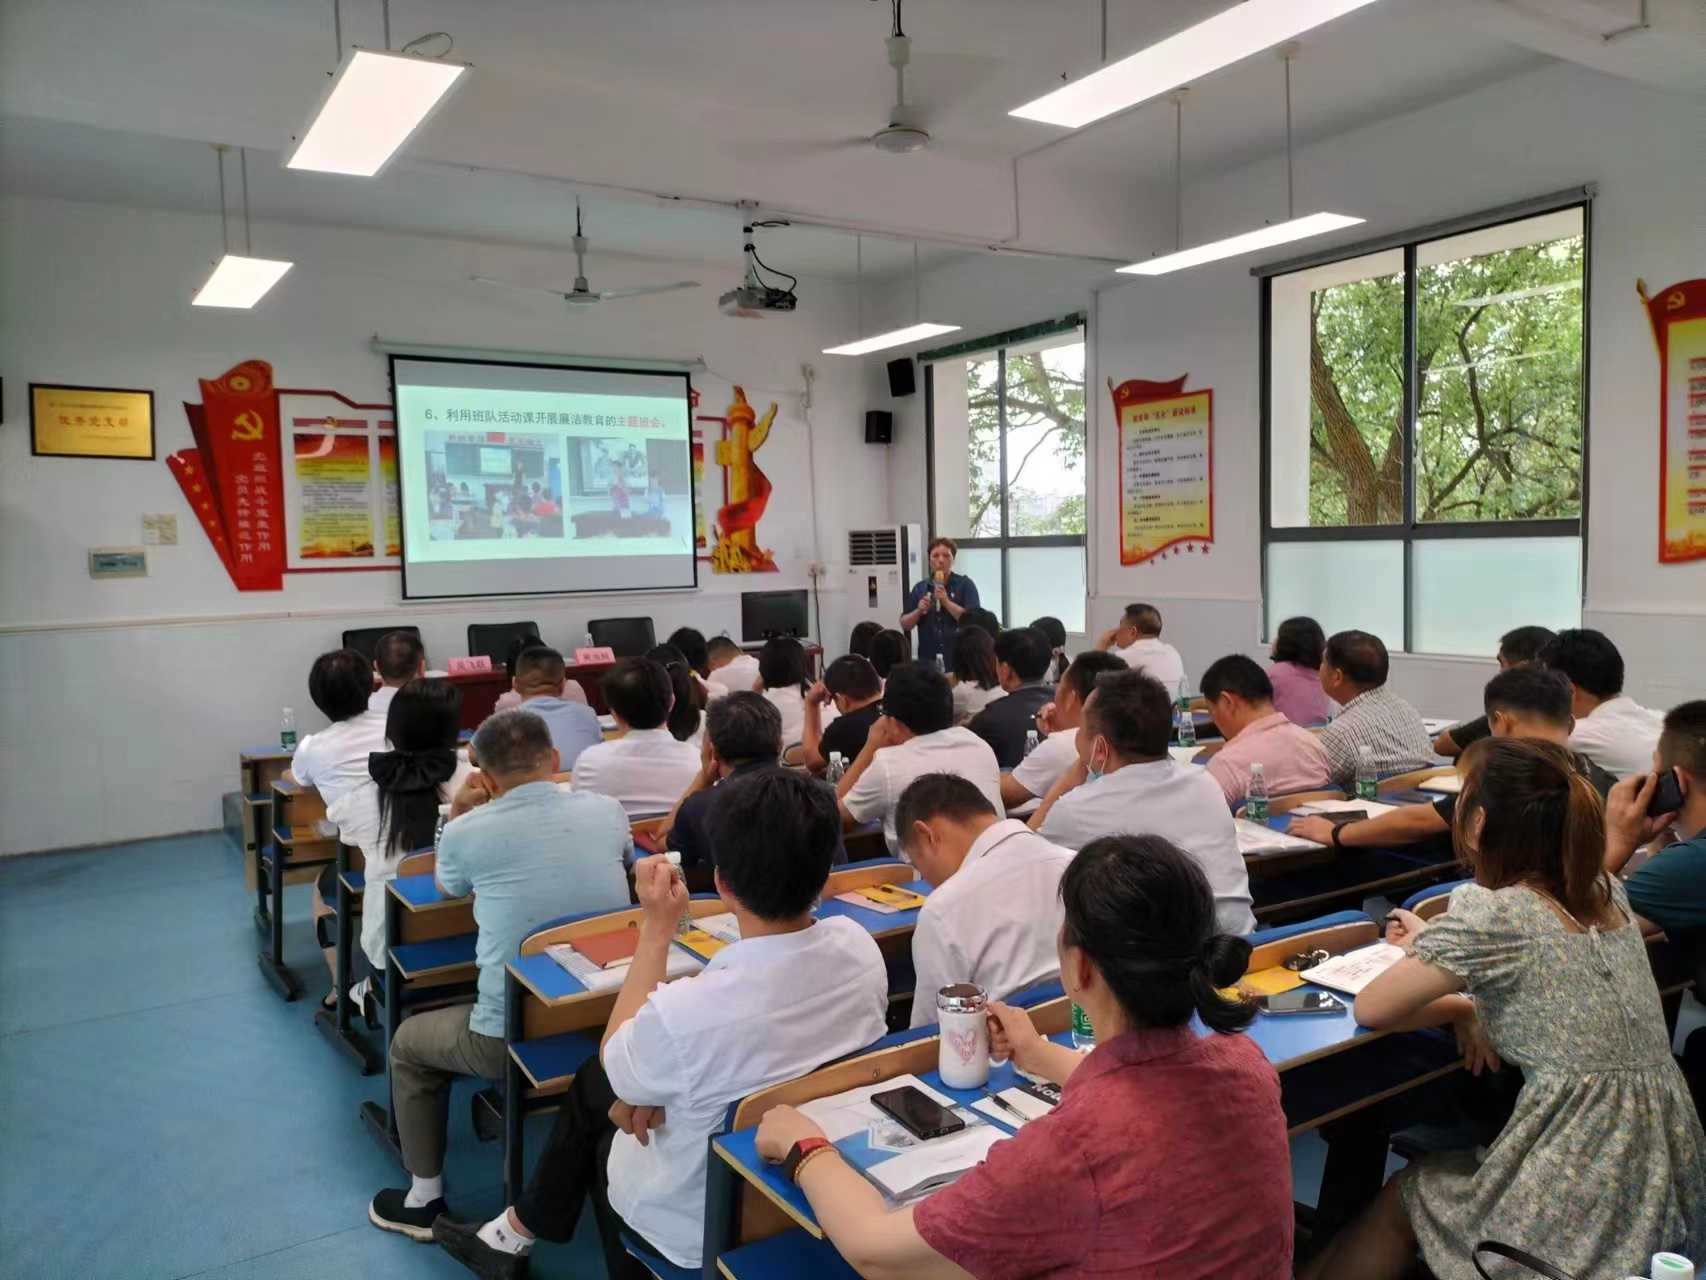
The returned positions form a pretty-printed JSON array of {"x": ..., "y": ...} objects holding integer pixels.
[{"x": 1382, "y": 721}]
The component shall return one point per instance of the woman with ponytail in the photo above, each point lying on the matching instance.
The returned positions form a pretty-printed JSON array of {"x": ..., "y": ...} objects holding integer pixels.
[
  {"x": 395, "y": 812},
  {"x": 1603, "y": 1163},
  {"x": 1167, "y": 1155},
  {"x": 687, "y": 710}
]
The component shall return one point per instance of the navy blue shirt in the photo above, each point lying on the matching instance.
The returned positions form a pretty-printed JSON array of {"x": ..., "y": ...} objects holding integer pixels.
[
  {"x": 937, "y": 629},
  {"x": 690, "y": 838}
]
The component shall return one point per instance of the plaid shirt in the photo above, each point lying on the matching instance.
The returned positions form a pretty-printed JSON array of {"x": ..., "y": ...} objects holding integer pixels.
[{"x": 1382, "y": 721}]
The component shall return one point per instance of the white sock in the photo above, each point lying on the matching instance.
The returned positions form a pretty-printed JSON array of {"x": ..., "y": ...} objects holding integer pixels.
[
  {"x": 501, "y": 1236},
  {"x": 423, "y": 1191}
]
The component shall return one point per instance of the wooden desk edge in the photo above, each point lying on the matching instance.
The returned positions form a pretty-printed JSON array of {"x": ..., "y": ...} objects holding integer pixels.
[{"x": 746, "y": 1174}]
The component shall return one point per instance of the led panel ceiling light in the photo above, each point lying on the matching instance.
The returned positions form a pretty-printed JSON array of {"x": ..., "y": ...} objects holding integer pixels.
[
  {"x": 1314, "y": 224},
  {"x": 239, "y": 282},
  {"x": 899, "y": 337},
  {"x": 377, "y": 102}
]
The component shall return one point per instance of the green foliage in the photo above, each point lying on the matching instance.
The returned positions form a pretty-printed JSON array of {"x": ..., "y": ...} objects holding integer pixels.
[
  {"x": 1499, "y": 391},
  {"x": 1046, "y": 390}
]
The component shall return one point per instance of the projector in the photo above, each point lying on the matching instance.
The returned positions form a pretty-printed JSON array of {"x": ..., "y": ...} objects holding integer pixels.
[{"x": 757, "y": 301}]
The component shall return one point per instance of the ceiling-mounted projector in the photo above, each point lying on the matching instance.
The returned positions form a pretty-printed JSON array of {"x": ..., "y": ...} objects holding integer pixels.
[{"x": 757, "y": 301}]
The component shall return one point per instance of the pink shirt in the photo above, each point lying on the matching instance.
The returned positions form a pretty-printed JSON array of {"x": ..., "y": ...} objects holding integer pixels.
[
  {"x": 572, "y": 692},
  {"x": 1298, "y": 693},
  {"x": 1165, "y": 1160},
  {"x": 1292, "y": 758}
]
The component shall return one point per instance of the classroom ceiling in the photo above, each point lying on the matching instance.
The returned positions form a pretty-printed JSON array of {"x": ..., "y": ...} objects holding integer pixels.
[{"x": 730, "y": 100}]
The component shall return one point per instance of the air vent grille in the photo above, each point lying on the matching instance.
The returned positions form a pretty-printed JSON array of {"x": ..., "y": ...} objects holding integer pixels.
[{"x": 873, "y": 547}]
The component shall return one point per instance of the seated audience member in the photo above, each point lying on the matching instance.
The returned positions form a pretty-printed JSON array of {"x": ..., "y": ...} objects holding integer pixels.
[
  {"x": 994, "y": 909},
  {"x": 743, "y": 736},
  {"x": 1296, "y": 672},
  {"x": 975, "y": 682},
  {"x": 530, "y": 853},
  {"x": 1517, "y": 648},
  {"x": 1241, "y": 701},
  {"x": 335, "y": 759},
  {"x": 859, "y": 643},
  {"x": 1167, "y": 1155},
  {"x": 1021, "y": 662},
  {"x": 733, "y": 670},
  {"x": 1054, "y": 631},
  {"x": 782, "y": 680},
  {"x": 915, "y": 735},
  {"x": 888, "y": 649},
  {"x": 1612, "y": 729},
  {"x": 686, "y": 721},
  {"x": 1558, "y": 983},
  {"x": 982, "y": 618},
  {"x": 398, "y": 658},
  {"x": 850, "y": 685},
  {"x": 519, "y": 644},
  {"x": 793, "y": 993},
  {"x": 691, "y": 643},
  {"x": 1032, "y": 778},
  {"x": 647, "y": 767},
  {"x": 1353, "y": 674},
  {"x": 539, "y": 680},
  {"x": 1126, "y": 782},
  {"x": 1137, "y": 639},
  {"x": 395, "y": 811},
  {"x": 1523, "y": 702}
]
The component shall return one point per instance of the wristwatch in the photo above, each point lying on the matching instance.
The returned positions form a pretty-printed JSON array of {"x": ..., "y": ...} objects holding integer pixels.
[{"x": 797, "y": 1154}]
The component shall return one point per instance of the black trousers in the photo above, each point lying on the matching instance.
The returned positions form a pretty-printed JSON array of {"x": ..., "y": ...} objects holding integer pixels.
[{"x": 572, "y": 1167}]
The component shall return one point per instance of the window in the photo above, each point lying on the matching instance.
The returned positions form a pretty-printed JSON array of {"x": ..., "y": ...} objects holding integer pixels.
[
  {"x": 1424, "y": 435},
  {"x": 1006, "y": 459}
]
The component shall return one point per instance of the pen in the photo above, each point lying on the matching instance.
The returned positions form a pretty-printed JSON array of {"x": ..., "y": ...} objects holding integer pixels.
[{"x": 1007, "y": 1106}]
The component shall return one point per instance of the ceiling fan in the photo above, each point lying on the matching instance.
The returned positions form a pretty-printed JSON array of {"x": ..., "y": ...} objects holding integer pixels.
[{"x": 581, "y": 295}]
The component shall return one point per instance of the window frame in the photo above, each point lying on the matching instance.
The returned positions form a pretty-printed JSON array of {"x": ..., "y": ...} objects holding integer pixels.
[
  {"x": 1006, "y": 542},
  {"x": 1409, "y": 531}
]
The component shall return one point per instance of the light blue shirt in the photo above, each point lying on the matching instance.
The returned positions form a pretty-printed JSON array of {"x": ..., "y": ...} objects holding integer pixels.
[
  {"x": 529, "y": 856},
  {"x": 573, "y": 726}
]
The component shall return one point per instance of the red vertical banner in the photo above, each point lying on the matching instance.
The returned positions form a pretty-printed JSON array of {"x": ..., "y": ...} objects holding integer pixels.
[
  {"x": 1678, "y": 316},
  {"x": 244, "y": 455}
]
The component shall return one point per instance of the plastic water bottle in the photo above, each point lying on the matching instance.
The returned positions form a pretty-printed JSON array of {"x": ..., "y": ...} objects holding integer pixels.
[
  {"x": 1083, "y": 1034},
  {"x": 837, "y": 767},
  {"x": 443, "y": 819},
  {"x": 1030, "y": 741},
  {"x": 287, "y": 730},
  {"x": 1367, "y": 784},
  {"x": 1187, "y": 721},
  {"x": 941, "y": 664},
  {"x": 685, "y": 924},
  {"x": 1256, "y": 794},
  {"x": 589, "y": 643}
]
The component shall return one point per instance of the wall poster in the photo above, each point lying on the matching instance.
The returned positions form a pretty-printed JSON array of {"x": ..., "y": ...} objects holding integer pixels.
[
  {"x": 340, "y": 490},
  {"x": 1166, "y": 469},
  {"x": 1678, "y": 316}
]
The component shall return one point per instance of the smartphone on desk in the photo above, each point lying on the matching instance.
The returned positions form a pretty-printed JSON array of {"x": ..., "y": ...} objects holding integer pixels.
[
  {"x": 1292, "y": 1003},
  {"x": 918, "y": 1113}
]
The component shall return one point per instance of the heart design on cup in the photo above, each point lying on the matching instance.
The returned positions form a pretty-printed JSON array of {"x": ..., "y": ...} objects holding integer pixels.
[{"x": 964, "y": 1044}]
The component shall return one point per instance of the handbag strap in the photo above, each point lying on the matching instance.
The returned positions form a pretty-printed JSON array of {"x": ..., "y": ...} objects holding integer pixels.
[{"x": 1538, "y": 1266}]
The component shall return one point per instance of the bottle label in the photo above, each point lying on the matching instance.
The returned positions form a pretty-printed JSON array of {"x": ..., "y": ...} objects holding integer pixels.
[
  {"x": 1256, "y": 808},
  {"x": 1367, "y": 788},
  {"x": 1081, "y": 1023},
  {"x": 287, "y": 738}
]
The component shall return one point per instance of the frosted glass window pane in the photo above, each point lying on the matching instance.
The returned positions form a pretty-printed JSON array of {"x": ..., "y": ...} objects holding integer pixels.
[
  {"x": 1344, "y": 586},
  {"x": 983, "y": 566},
  {"x": 1470, "y": 591},
  {"x": 1047, "y": 581}
]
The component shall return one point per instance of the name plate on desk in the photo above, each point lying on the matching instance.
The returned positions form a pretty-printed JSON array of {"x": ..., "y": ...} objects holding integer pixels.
[
  {"x": 464, "y": 666},
  {"x": 586, "y": 657}
]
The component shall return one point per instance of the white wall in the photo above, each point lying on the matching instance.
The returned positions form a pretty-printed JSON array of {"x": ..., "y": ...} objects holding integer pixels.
[{"x": 123, "y": 703}]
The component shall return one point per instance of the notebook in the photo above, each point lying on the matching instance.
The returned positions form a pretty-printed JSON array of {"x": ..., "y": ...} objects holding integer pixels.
[
  {"x": 855, "y": 899},
  {"x": 1354, "y": 970},
  {"x": 710, "y": 934},
  {"x": 1367, "y": 808},
  {"x": 595, "y": 978},
  {"x": 891, "y": 895},
  {"x": 1449, "y": 784},
  {"x": 611, "y": 948},
  {"x": 1260, "y": 840},
  {"x": 902, "y": 1176}
]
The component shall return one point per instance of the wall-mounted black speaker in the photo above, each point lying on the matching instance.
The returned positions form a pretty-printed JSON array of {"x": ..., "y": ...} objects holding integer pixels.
[
  {"x": 879, "y": 426},
  {"x": 901, "y": 381}
]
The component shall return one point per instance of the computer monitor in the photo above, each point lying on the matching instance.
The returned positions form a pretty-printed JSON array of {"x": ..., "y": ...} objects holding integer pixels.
[{"x": 765, "y": 615}]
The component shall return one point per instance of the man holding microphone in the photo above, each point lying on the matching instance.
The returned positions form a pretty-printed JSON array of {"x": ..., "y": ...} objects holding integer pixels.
[{"x": 937, "y": 604}]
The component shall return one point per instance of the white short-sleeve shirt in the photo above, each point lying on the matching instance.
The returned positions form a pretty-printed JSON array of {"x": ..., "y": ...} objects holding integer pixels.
[
  {"x": 1619, "y": 736},
  {"x": 739, "y": 676},
  {"x": 994, "y": 921},
  {"x": 334, "y": 760},
  {"x": 764, "y": 1010},
  {"x": 1041, "y": 769},
  {"x": 957, "y": 750},
  {"x": 791, "y": 704},
  {"x": 646, "y": 769},
  {"x": 1179, "y": 802},
  {"x": 1155, "y": 657}
]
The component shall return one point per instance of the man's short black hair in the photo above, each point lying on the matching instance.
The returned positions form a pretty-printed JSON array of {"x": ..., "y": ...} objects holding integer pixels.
[
  {"x": 1588, "y": 658},
  {"x": 920, "y": 697},
  {"x": 1240, "y": 675},
  {"x": 722, "y": 647},
  {"x": 773, "y": 837},
  {"x": 512, "y": 742},
  {"x": 339, "y": 683},
  {"x": 1361, "y": 656},
  {"x": 398, "y": 655},
  {"x": 1530, "y": 691},
  {"x": 1026, "y": 650},
  {"x": 1682, "y": 745},
  {"x": 1133, "y": 711},
  {"x": 744, "y": 726},
  {"x": 1146, "y": 618},
  {"x": 940, "y": 795},
  {"x": 981, "y": 618},
  {"x": 853, "y": 677},
  {"x": 1523, "y": 644},
  {"x": 540, "y": 665},
  {"x": 782, "y": 663},
  {"x": 1087, "y": 668},
  {"x": 1053, "y": 629},
  {"x": 639, "y": 691}
]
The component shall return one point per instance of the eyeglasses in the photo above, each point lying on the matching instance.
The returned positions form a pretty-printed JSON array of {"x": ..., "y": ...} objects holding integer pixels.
[{"x": 1304, "y": 960}]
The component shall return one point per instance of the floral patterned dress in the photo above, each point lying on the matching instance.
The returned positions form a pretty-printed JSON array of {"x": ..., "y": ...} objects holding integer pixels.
[{"x": 1603, "y": 1162}]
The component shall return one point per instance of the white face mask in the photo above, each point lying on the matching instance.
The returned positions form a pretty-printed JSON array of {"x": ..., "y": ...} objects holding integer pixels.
[{"x": 1093, "y": 773}]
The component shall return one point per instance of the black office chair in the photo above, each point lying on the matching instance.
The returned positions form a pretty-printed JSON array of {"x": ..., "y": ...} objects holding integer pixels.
[
  {"x": 627, "y": 637},
  {"x": 495, "y": 639},
  {"x": 364, "y": 640}
]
